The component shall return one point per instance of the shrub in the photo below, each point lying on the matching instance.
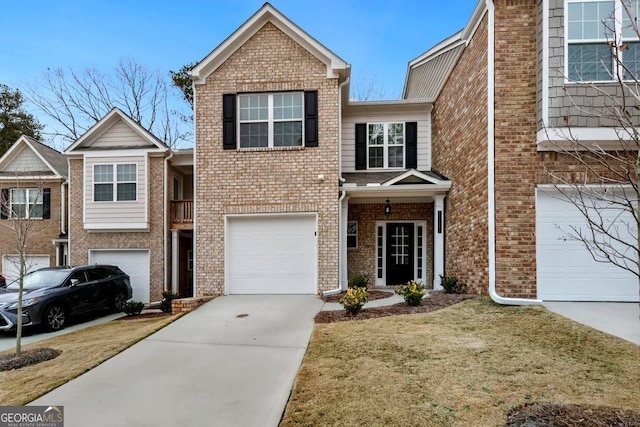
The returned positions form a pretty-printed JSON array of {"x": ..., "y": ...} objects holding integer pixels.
[
  {"x": 359, "y": 281},
  {"x": 133, "y": 308},
  {"x": 412, "y": 292},
  {"x": 451, "y": 285},
  {"x": 167, "y": 297},
  {"x": 354, "y": 299}
]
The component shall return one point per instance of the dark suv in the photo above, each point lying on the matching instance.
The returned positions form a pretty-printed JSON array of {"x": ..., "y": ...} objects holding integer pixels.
[{"x": 53, "y": 294}]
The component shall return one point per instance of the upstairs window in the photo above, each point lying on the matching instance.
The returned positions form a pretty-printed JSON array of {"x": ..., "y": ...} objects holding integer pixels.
[
  {"x": 385, "y": 145},
  {"x": 26, "y": 203},
  {"x": 595, "y": 31},
  {"x": 115, "y": 183},
  {"x": 271, "y": 120}
]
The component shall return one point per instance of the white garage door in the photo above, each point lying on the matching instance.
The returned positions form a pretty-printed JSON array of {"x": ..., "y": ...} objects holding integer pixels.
[
  {"x": 566, "y": 269},
  {"x": 11, "y": 265},
  {"x": 271, "y": 255},
  {"x": 135, "y": 263}
]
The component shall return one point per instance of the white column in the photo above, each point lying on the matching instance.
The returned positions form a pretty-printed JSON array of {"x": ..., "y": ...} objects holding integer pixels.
[
  {"x": 438, "y": 240},
  {"x": 175, "y": 264},
  {"x": 344, "y": 280}
]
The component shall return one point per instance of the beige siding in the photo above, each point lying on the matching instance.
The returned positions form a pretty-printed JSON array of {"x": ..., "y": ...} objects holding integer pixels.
[
  {"x": 120, "y": 134},
  {"x": 349, "y": 135},
  {"x": 119, "y": 213},
  {"x": 27, "y": 161}
]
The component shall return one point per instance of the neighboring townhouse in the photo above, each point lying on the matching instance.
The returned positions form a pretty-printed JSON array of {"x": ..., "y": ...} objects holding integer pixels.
[
  {"x": 512, "y": 98},
  {"x": 127, "y": 207},
  {"x": 33, "y": 188}
]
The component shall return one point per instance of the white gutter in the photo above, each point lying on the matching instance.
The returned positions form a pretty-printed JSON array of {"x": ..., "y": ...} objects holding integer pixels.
[
  {"x": 491, "y": 168},
  {"x": 63, "y": 208},
  {"x": 343, "y": 194},
  {"x": 166, "y": 224}
]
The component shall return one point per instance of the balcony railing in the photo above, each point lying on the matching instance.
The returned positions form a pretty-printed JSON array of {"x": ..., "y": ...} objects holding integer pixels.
[{"x": 182, "y": 214}]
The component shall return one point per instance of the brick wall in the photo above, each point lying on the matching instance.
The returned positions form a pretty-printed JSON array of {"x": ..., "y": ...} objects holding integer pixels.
[
  {"x": 265, "y": 180},
  {"x": 41, "y": 232},
  {"x": 460, "y": 152},
  {"x": 81, "y": 241},
  {"x": 363, "y": 259}
]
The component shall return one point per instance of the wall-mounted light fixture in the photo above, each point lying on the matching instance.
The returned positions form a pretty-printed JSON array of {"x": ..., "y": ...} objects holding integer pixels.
[{"x": 387, "y": 208}]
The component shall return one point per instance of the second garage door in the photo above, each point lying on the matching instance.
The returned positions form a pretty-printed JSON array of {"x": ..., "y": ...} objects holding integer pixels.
[
  {"x": 271, "y": 254},
  {"x": 134, "y": 262},
  {"x": 566, "y": 270},
  {"x": 11, "y": 265}
]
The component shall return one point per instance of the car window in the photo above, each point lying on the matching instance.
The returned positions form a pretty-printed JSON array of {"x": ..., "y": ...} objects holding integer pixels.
[
  {"x": 40, "y": 279},
  {"x": 98, "y": 274},
  {"x": 77, "y": 278}
]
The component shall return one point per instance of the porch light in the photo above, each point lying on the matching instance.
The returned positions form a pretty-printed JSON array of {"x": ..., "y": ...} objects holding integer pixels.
[{"x": 387, "y": 208}]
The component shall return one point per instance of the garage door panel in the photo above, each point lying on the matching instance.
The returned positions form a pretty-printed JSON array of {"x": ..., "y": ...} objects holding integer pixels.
[
  {"x": 135, "y": 263},
  {"x": 11, "y": 265},
  {"x": 566, "y": 271},
  {"x": 271, "y": 255}
]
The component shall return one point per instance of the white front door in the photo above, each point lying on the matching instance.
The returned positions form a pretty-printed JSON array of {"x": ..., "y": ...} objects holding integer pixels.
[{"x": 268, "y": 254}]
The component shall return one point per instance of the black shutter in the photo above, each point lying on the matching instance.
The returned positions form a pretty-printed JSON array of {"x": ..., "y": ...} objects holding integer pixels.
[
  {"x": 229, "y": 121},
  {"x": 311, "y": 118},
  {"x": 361, "y": 146},
  {"x": 4, "y": 204},
  {"x": 46, "y": 203},
  {"x": 411, "y": 159}
]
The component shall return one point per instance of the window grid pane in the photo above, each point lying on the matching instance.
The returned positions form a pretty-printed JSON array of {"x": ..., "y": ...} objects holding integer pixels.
[
  {"x": 103, "y": 173},
  {"x": 253, "y": 135},
  {"x": 627, "y": 29},
  {"x": 376, "y": 157},
  {"x": 287, "y": 106},
  {"x": 591, "y": 20},
  {"x": 380, "y": 257},
  {"x": 103, "y": 192},
  {"x": 631, "y": 60},
  {"x": 126, "y": 192},
  {"x": 254, "y": 107},
  {"x": 287, "y": 134},
  {"x": 126, "y": 173},
  {"x": 590, "y": 62},
  {"x": 376, "y": 134}
]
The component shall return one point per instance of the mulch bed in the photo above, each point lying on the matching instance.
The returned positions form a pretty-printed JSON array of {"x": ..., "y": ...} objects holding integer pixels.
[
  {"x": 560, "y": 415},
  {"x": 373, "y": 295},
  {"x": 144, "y": 316},
  {"x": 435, "y": 301},
  {"x": 27, "y": 358}
]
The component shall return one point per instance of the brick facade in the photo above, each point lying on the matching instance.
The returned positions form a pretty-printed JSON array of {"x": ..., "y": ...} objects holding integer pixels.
[
  {"x": 264, "y": 180},
  {"x": 42, "y": 231},
  {"x": 460, "y": 152},
  {"x": 363, "y": 258},
  {"x": 82, "y": 241}
]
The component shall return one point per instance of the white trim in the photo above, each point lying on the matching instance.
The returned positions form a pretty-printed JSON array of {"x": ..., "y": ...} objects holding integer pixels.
[
  {"x": 63, "y": 208},
  {"x": 194, "y": 244},
  {"x": 119, "y": 153},
  {"x": 116, "y": 226},
  {"x": 474, "y": 22},
  {"x": 437, "y": 50},
  {"x": 9, "y": 155},
  {"x": 398, "y": 190},
  {"x": 551, "y": 139},
  {"x": 32, "y": 178},
  {"x": 335, "y": 65},
  {"x": 115, "y": 181},
  {"x": 416, "y": 173},
  {"x": 438, "y": 241},
  {"x": 491, "y": 208},
  {"x": 545, "y": 63},
  {"x": 95, "y": 131},
  {"x": 175, "y": 254},
  {"x": 228, "y": 217}
]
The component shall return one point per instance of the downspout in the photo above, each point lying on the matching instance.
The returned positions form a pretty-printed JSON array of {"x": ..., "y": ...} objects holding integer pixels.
[
  {"x": 166, "y": 222},
  {"x": 491, "y": 167},
  {"x": 63, "y": 208},
  {"x": 343, "y": 194}
]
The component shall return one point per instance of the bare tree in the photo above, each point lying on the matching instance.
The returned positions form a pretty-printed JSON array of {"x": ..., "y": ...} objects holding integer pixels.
[
  {"x": 603, "y": 183},
  {"x": 75, "y": 100},
  {"x": 21, "y": 205},
  {"x": 367, "y": 89}
]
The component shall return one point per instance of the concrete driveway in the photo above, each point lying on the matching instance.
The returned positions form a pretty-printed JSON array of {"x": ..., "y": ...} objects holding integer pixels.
[
  {"x": 621, "y": 319},
  {"x": 232, "y": 362}
]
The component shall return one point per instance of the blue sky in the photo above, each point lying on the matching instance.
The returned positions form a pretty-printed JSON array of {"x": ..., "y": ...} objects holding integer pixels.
[{"x": 376, "y": 37}]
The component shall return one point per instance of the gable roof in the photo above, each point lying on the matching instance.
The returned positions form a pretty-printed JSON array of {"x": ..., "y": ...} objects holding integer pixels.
[
  {"x": 53, "y": 160},
  {"x": 336, "y": 66},
  {"x": 386, "y": 179},
  {"x": 105, "y": 123},
  {"x": 427, "y": 74}
]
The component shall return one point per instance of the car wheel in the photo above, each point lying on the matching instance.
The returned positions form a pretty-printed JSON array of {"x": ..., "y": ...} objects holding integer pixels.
[
  {"x": 55, "y": 317},
  {"x": 119, "y": 300}
]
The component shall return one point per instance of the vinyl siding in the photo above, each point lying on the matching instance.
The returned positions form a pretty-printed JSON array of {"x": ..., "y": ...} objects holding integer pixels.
[
  {"x": 27, "y": 161},
  {"x": 115, "y": 212},
  {"x": 349, "y": 135},
  {"x": 120, "y": 134}
]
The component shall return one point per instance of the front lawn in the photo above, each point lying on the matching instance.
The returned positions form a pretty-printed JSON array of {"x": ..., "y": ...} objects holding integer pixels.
[
  {"x": 468, "y": 364},
  {"x": 81, "y": 351}
]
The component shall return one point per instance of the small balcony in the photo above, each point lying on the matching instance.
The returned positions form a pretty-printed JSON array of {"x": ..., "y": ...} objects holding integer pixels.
[{"x": 182, "y": 214}]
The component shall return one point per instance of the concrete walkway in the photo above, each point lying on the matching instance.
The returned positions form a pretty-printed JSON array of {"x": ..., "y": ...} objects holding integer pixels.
[
  {"x": 213, "y": 367},
  {"x": 616, "y": 318},
  {"x": 394, "y": 299}
]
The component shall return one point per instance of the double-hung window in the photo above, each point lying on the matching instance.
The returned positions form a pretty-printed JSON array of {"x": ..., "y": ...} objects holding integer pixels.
[
  {"x": 26, "y": 203},
  {"x": 596, "y": 31},
  {"x": 385, "y": 145},
  {"x": 269, "y": 120},
  {"x": 115, "y": 183}
]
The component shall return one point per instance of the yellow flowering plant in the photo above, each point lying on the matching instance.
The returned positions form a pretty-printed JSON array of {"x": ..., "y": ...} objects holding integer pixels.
[
  {"x": 354, "y": 299},
  {"x": 412, "y": 292}
]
